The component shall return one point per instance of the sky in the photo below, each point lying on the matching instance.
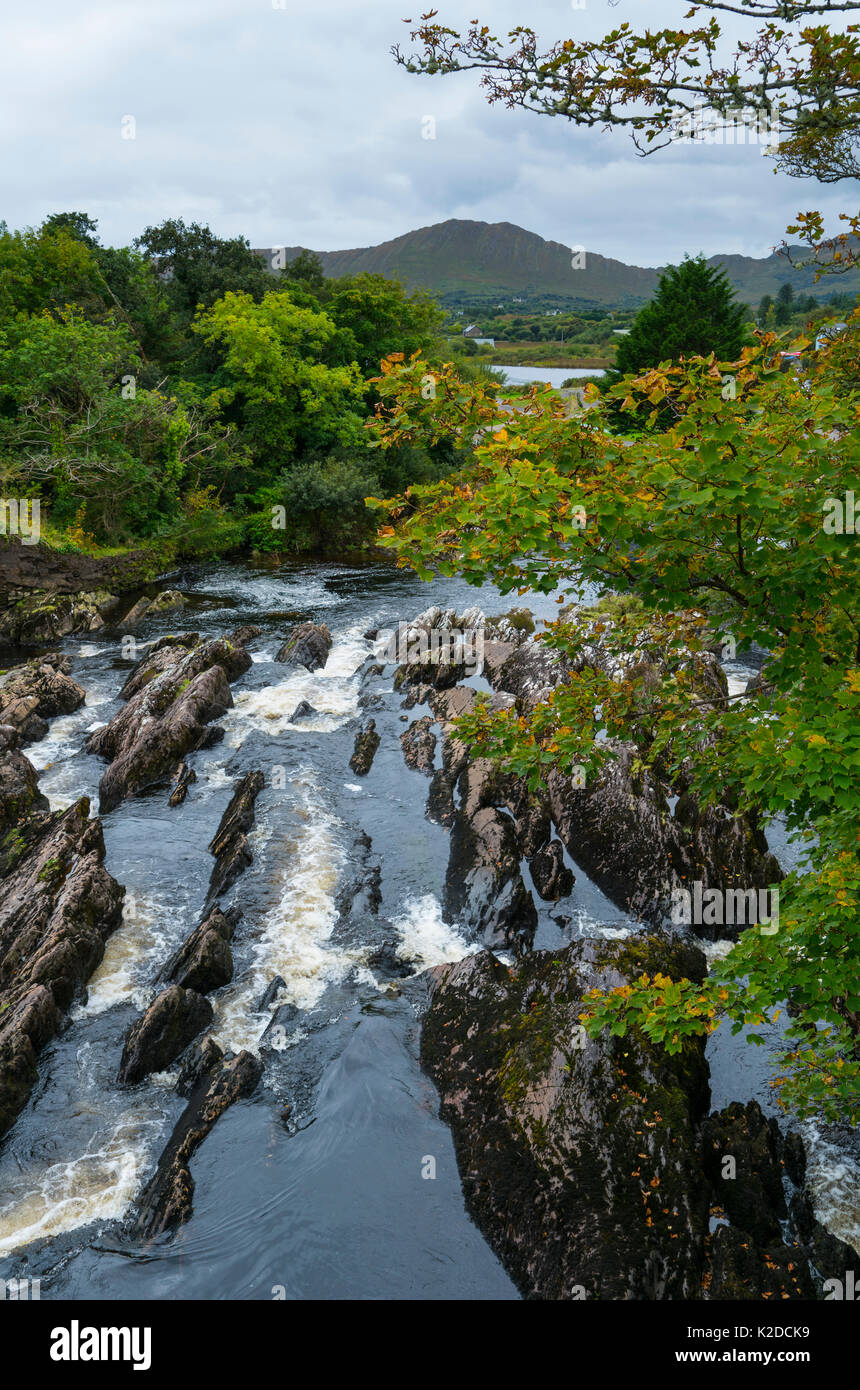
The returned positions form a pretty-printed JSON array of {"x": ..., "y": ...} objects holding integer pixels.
[{"x": 288, "y": 122}]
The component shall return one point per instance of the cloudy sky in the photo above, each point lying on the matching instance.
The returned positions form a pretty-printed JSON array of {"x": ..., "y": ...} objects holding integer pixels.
[{"x": 293, "y": 125}]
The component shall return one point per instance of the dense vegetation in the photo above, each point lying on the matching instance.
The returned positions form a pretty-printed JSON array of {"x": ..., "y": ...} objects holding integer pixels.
[
  {"x": 178, "y": 394},
  {"x": 729, "y": 521}
]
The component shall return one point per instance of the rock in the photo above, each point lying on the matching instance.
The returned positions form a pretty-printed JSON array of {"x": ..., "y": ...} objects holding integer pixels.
[
  {"x": 484, "y": 888},
  {"x": 302, "y": 711},
  {"x": 58, "y": 906},
  {"x": 622, "y": 833},
  {"x": 308, "y": 645},
  {"x": 184, "y": 778},
  {"x": 361, "y": 891},
  {"x": 160, "y": 657},
  {"x": 550, "y": 875},
  {"x": 578, "y": 1156},
  {"x": 167, "y": 1199},
  {"x": 495, "y": 656},
  {"x": 165, "y": 718},
  {"x": 763, "y": 1248},
  {"x": 440, "y": 799},
  {"x": 204, "y": 962},
  {"x": 386, "y": 960},
  {"x": 270, "y": 994},
  {"x": 20, "y": 798},
  {"x": 229, "y": 845},
  {"x": 170, "y": 1023},
  {"x": 419, "y": 746},
  {"x": 243, "y": 635},
  {"x": 167, "y": 602},
  {"x": 366, "y": 743},
  {"x": 138, "y": 611},
  {"x": 36, "y": 692},
  {"x": 371, "y": 634}
]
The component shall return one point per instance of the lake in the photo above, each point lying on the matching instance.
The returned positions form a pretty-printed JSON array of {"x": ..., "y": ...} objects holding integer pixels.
[{"x": 556, "y": 376}]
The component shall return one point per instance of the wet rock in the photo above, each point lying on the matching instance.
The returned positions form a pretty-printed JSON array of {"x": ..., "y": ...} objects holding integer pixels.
[
  {"x": 58, "y": 906},
  {"x": 440, "y": 799},
  {"x": 308, "y": 645},
  {"x": 168, "y": 1198},
  {"x": 136, "y": 613},
  {"x": 386, "y": 960},
  {"x": 230, "y": 845},
  {"x": 763, "y": 1248},
  {"x": 40, "y": 690},
  {"x": 166, "y": 717},
  {"x": 361, "y": 891},
  {"x": 243, "y": 635},
  {"x": 170, "y": 1023},
  {"x": 495, "y": 655},
  {"x": 20, "y": 798},
  {"x": 484, "y": 888},
  {"x": 578, "y": 1156},
  {"x": 204, "y": 962},
  {"x": 202, "y": 1061},
  {"x": 621, "y": 831},
  {"x": 366, "y": 744},
  {"x": 270, "y": 994},
  {"x": 167, "y": 602},
  {"x": 185, "y": 777},
  {"x": 550, "y": 875},
  {"x": 302, "y": 711},
  {"x": 419, "y": 746},
  {"x": 160, "y": 657},
  {"x": 371, "y": 634}
]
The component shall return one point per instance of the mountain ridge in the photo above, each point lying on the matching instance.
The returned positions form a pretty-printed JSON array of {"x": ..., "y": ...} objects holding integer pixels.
[{"x": 462, "y": 259}]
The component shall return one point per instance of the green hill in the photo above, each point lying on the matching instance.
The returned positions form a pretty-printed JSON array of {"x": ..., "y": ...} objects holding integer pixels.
[{"x": 462, "y": 261}]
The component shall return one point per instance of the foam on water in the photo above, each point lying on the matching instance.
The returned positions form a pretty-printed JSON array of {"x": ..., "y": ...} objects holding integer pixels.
[
  {"x": 294, "y": 939},
  {"x": 332, "y": 692},
  {"x": 141, "y": 940},
  {"x": 426, "y": 937},
  {"x": 833, "y": 1176}
]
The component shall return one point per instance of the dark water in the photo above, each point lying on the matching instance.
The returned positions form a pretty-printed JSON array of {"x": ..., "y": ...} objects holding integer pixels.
[{"x": 332, "y": 1202}]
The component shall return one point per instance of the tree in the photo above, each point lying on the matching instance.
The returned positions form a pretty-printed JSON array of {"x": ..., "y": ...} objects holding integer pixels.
[
  {"x": 717, "y": 526},
  {"x": 281, "y": 380},
  {"x": 693, "y": 311},
  {"x": 378, "y": 317},
  {"x": 785, "y": 305},
  {"x": 764, "y": 304},
  {"x": 196, "y": 267}
]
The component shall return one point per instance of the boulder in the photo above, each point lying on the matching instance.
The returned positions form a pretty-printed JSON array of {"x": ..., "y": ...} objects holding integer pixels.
[
  {"x": 166, "y": 716},
  {"x": 170, "y": 1023},
  {"x": 364, "y": 751},
  {"x": 40, "y": 690},
  {"x": 204, "y": 962},
  {"x": 308, "y": 645},
  {"x": 578, "y": 1156},
  {"x": 484, "y": 887},
  {"x": 419, "y": 746},
  {"x": 58, "y": 906},
  {"x": 550, "y": 875},
  {"x": 229, "y": 845}
]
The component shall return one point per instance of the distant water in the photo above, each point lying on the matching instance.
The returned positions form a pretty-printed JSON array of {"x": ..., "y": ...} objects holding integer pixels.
[{"x": 556, "y": 376}]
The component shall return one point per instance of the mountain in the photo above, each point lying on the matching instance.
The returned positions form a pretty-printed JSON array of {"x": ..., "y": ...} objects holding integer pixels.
[{"x": 464, "y": 261}]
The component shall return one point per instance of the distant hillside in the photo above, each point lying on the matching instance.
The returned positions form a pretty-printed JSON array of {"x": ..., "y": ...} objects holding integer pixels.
[{"x": 497, "y": 260}]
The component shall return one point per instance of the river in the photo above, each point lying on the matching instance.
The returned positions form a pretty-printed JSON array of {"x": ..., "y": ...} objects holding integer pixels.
[{"x": 329, "y": 1203}]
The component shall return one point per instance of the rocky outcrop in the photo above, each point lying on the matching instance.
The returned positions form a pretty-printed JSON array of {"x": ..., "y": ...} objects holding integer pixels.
[
  {"x": 621, "y": 830},
  {"x": 229, "y": 844},
  {"x": 169, "y": 601},
  {"x": 484, "y": 887},
  {"x": 550, "y": 875},
  {"x": 36, "y": 692},
  {"x": 46, "y": 594},
  {"x": 170, "y": 1023},
  {"x": 578, "y": 1156},
  {"x": 58, "y": 906},
  {"x": 761, "y": 1246},
  {"x": 166, "y": 715},
  {"x": 419, "y": 746},
  {"x": 308, "y": 645},
  {"x": 364, "y": 751},
  {"x": 212, "y": 1083},
  {"x": 204, "y": 962}
]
